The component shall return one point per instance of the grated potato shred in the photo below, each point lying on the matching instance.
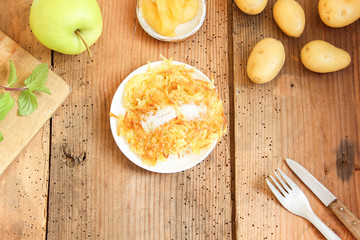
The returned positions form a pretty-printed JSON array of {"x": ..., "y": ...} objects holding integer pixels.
[{"x": 170, "y": 86}]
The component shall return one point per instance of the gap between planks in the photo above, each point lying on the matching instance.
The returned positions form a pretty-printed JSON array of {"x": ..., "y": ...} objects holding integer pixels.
[
  {"x": 231, "y": 116},
  {"x": 50, "y": 146}
]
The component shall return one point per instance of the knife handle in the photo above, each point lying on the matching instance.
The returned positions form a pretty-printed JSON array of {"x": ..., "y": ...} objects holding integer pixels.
[{"x": 351, "y": 222}]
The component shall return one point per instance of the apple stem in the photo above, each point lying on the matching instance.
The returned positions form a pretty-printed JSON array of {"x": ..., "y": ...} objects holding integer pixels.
[{"x": 83, "y": 40}]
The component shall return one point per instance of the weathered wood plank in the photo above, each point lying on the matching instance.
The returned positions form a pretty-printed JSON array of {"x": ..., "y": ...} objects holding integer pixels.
[
  {"x": 106, "y": 196},
  {"x": 23, "y": 186},
  {"x": 312, "y": 118}
]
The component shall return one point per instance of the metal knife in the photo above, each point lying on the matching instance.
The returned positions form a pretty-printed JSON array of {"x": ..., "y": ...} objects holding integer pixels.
[{"x": 351, "y": 222}]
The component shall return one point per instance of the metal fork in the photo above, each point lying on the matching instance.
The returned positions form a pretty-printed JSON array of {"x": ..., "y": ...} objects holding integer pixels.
[{"x": 295, "y": 201}]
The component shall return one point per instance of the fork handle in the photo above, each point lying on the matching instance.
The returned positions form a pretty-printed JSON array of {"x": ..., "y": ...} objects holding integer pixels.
[{"x": 322, "y": 227}]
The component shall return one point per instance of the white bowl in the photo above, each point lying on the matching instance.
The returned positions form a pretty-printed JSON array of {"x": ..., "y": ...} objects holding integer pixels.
[
  {"x": 172, "y": 163},
  {"x": 182, "y": 32}
]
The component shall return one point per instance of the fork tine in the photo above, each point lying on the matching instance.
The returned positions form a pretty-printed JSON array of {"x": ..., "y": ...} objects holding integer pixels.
[
  {"x": 278, "y": 186},
  {"x": 282, "y": 182},
  {"x": 288, "y": 180},
  {"x": 275, "y": 192},
  {"x": 297, "y": 203}
]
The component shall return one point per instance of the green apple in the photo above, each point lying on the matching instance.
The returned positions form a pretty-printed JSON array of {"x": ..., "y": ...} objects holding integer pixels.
[{"x": 66, "y": 26}]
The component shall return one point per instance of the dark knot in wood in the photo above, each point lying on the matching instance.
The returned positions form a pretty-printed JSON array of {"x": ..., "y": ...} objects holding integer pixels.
[
  {"x": 70, "y": 159},
  {"x": 345, "y": 160}
]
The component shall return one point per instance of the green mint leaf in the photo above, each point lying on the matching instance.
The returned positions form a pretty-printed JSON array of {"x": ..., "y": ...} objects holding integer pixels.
[
  {"x": 6, "y": 104},
  {"x": 27, "y": 103},
  {"x": 12, "y": 76},
  {"x": 1, "y": 137},
  {"x": 37, "y": 78},
  {"x": 44, "y": 89}
]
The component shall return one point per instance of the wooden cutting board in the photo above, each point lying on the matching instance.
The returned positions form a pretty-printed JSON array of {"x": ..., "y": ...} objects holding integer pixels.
[{"x": 19, "y": 130}]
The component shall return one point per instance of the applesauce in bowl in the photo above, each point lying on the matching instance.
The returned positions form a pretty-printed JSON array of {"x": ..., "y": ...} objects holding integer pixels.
[{"x": 182, "y": 30}]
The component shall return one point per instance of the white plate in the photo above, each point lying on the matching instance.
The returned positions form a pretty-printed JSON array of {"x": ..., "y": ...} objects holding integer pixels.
[
  {"x": 182, "y": 32},
  {"x": 172, "y": 163}
]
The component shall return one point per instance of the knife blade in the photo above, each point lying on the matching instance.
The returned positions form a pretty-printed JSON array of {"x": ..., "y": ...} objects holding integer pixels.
[
  {"x": 315, "y": 186},
  {"x": 351, "y": 222}
]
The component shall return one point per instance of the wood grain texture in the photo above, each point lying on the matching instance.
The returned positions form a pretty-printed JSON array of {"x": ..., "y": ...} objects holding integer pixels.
[
  {"x": 23, "y": 191},
  {"x": 23, "y": 186},
  {"x": 96, "y": 193},
  {"x": 350, "y": 221},
  {"x": 18, "y": 131},
  {"x": 312, "y": 118},
  {"x": 104, "y": 195}
]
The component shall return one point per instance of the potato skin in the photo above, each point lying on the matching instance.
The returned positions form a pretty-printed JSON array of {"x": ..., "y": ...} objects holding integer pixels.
[
  {"x": 322, "y": 57},
  {"x": 339, "y": 13},
  {"x": 290, "y": 17},
  {"x": 251, "y": 7},
  {"x": 265, "y": 61}
]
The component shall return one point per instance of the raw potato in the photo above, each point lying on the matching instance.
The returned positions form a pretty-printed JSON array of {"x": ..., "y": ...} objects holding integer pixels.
[
  {"x": 339, "y": 13},
  {"x": 322, "y": 57},
  {"x": 251, "y": 7},
  {"x": 290, "y": 17},
  {"x": 265, "y": 60}
]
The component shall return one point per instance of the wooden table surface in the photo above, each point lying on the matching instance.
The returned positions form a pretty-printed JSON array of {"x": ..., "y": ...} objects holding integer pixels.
[{"x": 312, "y": 118}]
